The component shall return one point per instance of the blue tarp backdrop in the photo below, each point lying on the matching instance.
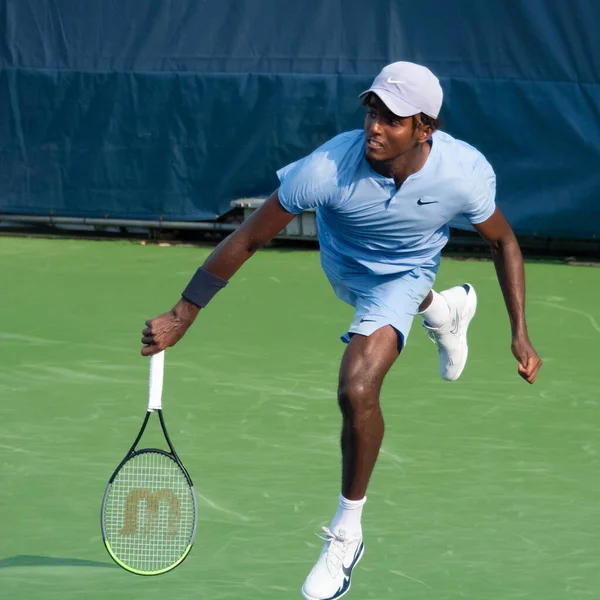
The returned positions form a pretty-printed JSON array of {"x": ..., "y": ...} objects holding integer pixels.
[{"x": 173, "y": 108}]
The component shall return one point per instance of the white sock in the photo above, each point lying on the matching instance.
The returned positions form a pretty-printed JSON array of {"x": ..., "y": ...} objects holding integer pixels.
[
  {"x": 348, "y": 516},
  {"x": 437, "y": 313}
]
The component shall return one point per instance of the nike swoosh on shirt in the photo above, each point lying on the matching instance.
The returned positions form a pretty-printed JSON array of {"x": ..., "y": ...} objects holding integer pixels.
[
  {"x": 421, "y": 203},
  {"x": 367, "y": 320}
]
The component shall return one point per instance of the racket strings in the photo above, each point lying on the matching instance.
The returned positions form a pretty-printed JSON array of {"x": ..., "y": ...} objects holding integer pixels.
[{"x": 149, "y": 513}]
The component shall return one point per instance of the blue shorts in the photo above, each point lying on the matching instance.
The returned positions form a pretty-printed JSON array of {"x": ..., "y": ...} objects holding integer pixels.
[{"x": 382, "y": 300}]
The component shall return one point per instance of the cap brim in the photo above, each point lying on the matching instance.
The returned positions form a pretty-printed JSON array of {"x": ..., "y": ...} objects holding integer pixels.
[{"x": 396, "y": 105}]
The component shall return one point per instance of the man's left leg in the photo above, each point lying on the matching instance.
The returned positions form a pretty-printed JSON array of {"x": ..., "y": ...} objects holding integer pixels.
[{"x": 446, "y": 316}]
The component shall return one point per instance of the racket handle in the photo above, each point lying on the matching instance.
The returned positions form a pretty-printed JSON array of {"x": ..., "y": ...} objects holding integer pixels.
[{"x": 157, "y": 367}]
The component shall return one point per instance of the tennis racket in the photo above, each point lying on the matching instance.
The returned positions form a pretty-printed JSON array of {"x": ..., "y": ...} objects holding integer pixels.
[{"x": 149, "y": 510}]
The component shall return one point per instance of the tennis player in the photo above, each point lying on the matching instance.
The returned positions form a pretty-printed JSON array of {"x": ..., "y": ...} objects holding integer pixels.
[{"x": 384, "y": 197}]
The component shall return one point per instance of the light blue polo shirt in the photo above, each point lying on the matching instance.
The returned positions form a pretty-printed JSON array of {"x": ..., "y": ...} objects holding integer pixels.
[{"x": 368, "y": 227}]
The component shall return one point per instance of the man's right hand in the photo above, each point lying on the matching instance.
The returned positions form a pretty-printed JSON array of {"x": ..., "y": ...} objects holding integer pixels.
[{"x": 167, "y": 329}]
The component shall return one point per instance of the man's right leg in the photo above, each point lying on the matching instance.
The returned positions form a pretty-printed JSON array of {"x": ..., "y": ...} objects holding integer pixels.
[{"x": 364, "y": 366}]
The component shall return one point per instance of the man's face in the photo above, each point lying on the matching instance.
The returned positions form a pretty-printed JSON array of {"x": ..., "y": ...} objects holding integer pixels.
[{"x": 388, "y": 136}]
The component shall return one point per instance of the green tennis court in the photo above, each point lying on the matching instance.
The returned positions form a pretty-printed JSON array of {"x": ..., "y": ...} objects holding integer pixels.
[{"x": 486, "y": 489}]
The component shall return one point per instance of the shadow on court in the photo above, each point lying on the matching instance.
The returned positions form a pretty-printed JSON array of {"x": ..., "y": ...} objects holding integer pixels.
[{"x": 26, "y": 560}]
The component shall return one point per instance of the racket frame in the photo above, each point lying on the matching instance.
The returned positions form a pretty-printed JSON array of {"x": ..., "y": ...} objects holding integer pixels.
[{"x": 154, "y": 405}]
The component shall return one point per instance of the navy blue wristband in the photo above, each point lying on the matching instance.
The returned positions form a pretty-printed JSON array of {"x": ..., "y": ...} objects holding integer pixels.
[{"x": 202, "y": 287}]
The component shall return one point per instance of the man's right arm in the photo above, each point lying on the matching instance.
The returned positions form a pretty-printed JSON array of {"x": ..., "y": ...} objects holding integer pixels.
[
  {"x": 254, "y": 233},
  {"x": 257, "y": 231}
]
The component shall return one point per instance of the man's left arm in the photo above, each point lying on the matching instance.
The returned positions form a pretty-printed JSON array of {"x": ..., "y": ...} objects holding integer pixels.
[{"x": 511, "y": 276}]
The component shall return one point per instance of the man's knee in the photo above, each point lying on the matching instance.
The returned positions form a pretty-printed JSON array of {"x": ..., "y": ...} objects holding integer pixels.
[{"x": 357, "y": 398}]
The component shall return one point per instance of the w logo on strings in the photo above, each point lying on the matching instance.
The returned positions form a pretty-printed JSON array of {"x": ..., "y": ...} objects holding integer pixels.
[{"x": 153, "y": 501}]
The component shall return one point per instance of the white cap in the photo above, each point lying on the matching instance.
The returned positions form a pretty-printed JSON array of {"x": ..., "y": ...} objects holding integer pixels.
[{"x": 408, "y": 89}]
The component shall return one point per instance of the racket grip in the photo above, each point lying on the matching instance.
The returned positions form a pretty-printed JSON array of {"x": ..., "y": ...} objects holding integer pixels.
[{"x": 157, "y": 367}]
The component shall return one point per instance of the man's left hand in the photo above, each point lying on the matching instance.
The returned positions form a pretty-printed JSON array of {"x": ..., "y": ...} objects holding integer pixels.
[{"x": 529, "y": 360}]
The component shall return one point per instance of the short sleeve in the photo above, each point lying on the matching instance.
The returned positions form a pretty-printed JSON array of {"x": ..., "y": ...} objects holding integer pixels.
[
  {"x": 307, "y": 183},
  {"x": 315, "y": 181},
  {"x": 482, "y": 204}
]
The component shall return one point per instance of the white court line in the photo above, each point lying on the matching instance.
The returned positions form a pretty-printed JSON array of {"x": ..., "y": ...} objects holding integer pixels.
[
  {"x": 411, "y": 578},
  {"x": 220, "y": 508},
  {"x": 577, "y": 311},
  {"x": 27, "y": 339},
  {"x": 14, "y": 449}
]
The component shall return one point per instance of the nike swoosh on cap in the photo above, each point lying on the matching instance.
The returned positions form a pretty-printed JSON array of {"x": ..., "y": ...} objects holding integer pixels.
[{"x": 390, "y": 80}]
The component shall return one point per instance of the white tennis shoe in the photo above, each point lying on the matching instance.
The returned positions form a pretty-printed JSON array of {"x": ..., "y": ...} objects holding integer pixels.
[
  {"x": 451, "y": 337},
  {"x": 330, "y": 577}
]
